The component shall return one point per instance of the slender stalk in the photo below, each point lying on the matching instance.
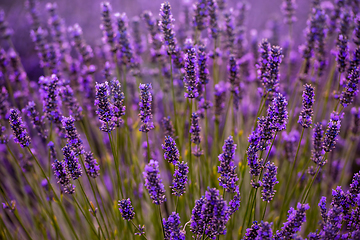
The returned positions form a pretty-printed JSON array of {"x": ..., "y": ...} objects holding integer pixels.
[
  {"x": 148, "y": 146},
  {"x": 311, "y": 183},
  {"x": 173, "y": 96},
  {"x": 161, "y": 221}
]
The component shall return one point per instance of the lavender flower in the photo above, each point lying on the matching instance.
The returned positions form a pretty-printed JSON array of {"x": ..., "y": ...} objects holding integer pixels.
[
  {"x": 107, "y": 25},
  {"x": 69, "y": 189},
  {"x": 264, "y": 61},
  {"x": 73, "y": 138},
  {"x": 288, "y": 8},
  {"x": 318, "y": 151},
  {"x": 195, "y": 129},
  {"x": 197, "y": 223},
  {"x": 41, "y": 46},
  {"x": 234, "y": 203},
  {"x": 61, "y": 172},
  {"x": 126, "y": 209},
  {"x": 278, "y": 113},
  {"x": 153, "y": 29},
  {"x": 4, "y": 105},
  {"x": 265, "y": 231},
  {"x": 36, "y": 120},
  {"x": 91, "y": 166},
  {"x": 180, "y": 179},
  {"x": 227, "y": 168},
  {"x": 167, "y": 28},
  {"x": 252, "y": 232},
  {"x": 135, "y": 23},
  {"x": 295, "y": 219},
  {"x": 332, "y": 131},
  {"x": 343, "y": 52},
  {"x": 172, "y": 227},
  {"x": 51, "y": 102},
  {"x": 153, "y": 182},
  {"x": 118, "y": 101},
  {"x": 20, "y": 134},
  {"x": 202, "y": 58},
  {"x": 233, "y": 73},
  {"x": 71, "y": 102},
  {"x": 307, "y": 111},
  {"x": 323, "y": 210},
  {"x": 79, "y": 43},
  {"x": 268, "y": 182},
  {"x": 200, "y": 15},
  {"x": 272, "y": 84},
  {"x": 253, "y": 160},
  {"x": 229, "y": 31},
  {"x": 104, "y": 109},
  {"x": 333, "y": 224},
  {"x": 351, "y": 90},
  {"x": 171, "y": 153},
  {"x": 72, "y": 162},
  {"x": 213, "y": 19},
  {"x": 191, "y": 79},
  {"x": 168, "y": 127},
  {"x": 266, "y": 131},
  {"x": 145, "y": 107},
  {"x": 126, "y": 49}
]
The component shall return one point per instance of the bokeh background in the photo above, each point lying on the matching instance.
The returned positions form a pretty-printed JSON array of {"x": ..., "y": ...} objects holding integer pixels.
[{"x": 260, "y": 16}]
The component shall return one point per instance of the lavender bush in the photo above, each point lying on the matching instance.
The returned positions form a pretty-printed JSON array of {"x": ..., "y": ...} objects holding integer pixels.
[{"x": 184, "y": 120}]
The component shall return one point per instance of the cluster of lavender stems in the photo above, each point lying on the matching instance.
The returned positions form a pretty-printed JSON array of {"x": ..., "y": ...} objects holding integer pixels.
[{"x": 181, "y": 123}]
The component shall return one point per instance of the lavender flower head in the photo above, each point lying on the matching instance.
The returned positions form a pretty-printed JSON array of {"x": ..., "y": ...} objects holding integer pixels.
[
  {"x": 351, "y": 89},
  {"x": 252, "y": 232},
  {"x": 180, "y": 179},
  {"x": 51, "y": 102},
  {"x": 202, "y": 58},
  {"x": 172, "y": 227},
  {"x": 227, "y": 168},
  {"x": 4, "y": 105},
  {"x": 268, "y": 182},
  {"x": 323, "y": 210},
  {"x": 126, "y": 209},
  {"x": 213, "y": 19},
  {"x": 107, "y": 25},
  {"x": 171, "y": 153},
  {"x": 20, "y": 134},
  {"x": 265, "y": 231},
  {"x": 263, "y": 62},
  {"x": 104, "y": 108},
  {"x": 278, "y": 113},
  {"x": 71, "y": 102},
  {"x": 318, "y": 151},
  {"x": 305, "y": 118},
  {"x": 118, "y": 101},
  {"x": 272, "y": 84},
  {"x": 168, "y": 127},
  {"x": 36, "y": 119},
  {"x": 195, "y": 129},
  {"x": 125, "y": 47},
  {"x": 145, "y": 107},
  {"x": 91, "y": 166},
  {"x": 153, "y": 182},
  {"x": 73, "y": 137},
  {"x": 60, "y": 172},
  {"x": 332, "y": 131},
  {"x": 72, "y": 162},
  {"x": 288, "y": 8},
  {"x": 197, "y": 223},
  {"x": 294, "y": 221},
  {"x": 234, "y": 204},
  {"x": 343, "y": 53},
  {"x": 191, "y": 79},
  {"x": 200, "y": 15}
]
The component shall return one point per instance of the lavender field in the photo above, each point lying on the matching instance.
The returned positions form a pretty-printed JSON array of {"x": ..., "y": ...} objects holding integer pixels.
[{"x": 189, "y": 119}]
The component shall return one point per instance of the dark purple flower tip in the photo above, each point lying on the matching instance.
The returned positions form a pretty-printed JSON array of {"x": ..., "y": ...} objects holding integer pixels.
[
  {"x": 145, "y": 107},
  {"x": 126, "y": 209},
  {"x": 171, "y": 152},
  {"x": 20, "y": 134},
  {"x": 91, "y": 166},
  {"x": 180, "y": 179},
  {"x": 268, "y": 182},
  {"x": 332, "y": 131},
  {"x": 227, "y": 169},
  {"x": 153, "y": 182},
  {"x": 73, "y": 137},
  {"x": 72, "y": 162},
  {"x": 172, "y": 227}
]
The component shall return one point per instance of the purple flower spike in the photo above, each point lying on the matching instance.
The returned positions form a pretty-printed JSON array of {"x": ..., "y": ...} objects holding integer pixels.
[
  {"x": 323, "y": 210},
  {"x": 351, "y": 89},
  {"x": 71, "y": 102},
  {"x": 171, "y": 153},
  {"x": 295, "y": 219},
  {"x": 191, "y": 79},
  {"x": 145, "y": 107},
  {"x": 227, "y": 168},
  {"x": 200, "y": 15},
  {"x": 61, "y": 172},
  {"x": 126, "y": 209},
  {"x": 265, "y": 231},
  {"x": 4, "y": 104},
  {"x": 73, "y": 137},
  {"x": 153, "y": 182},
  {"x": 278, "y": 113},
  {"x": 268, "y": 182},
  {"x": 213, "y": 18},
  {"x": 180, "y": 179},
  {"x": 91, "y": 165},
  {"x": 172, "y": 227},
  {"x": 252, "y": 232},
  {"x": 104, "y": 108},
  {"x": 195, "y": 129},
  {"x": 107, "y": 25},
  {"x": 72, "y": 163},
  {"x": 234, "y": 203},
  {"x": 51, "y": 98},
  {"x": 118, "y": 101},
  {"x": 343, "y": 53},
  {"x": 332, "y": 131},
  {"x": 20, "y": 134},
  {"x": 36, "y": 119},
  {"x": 318, "y": 151},
  {"x": 168, "y": 127},
  {"x": 305, "y": 118},
  {"x": 288, "y": 8}
]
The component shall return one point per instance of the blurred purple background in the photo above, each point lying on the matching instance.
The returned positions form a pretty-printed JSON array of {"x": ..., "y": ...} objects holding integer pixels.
[{"x": 87, "y": 15}]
